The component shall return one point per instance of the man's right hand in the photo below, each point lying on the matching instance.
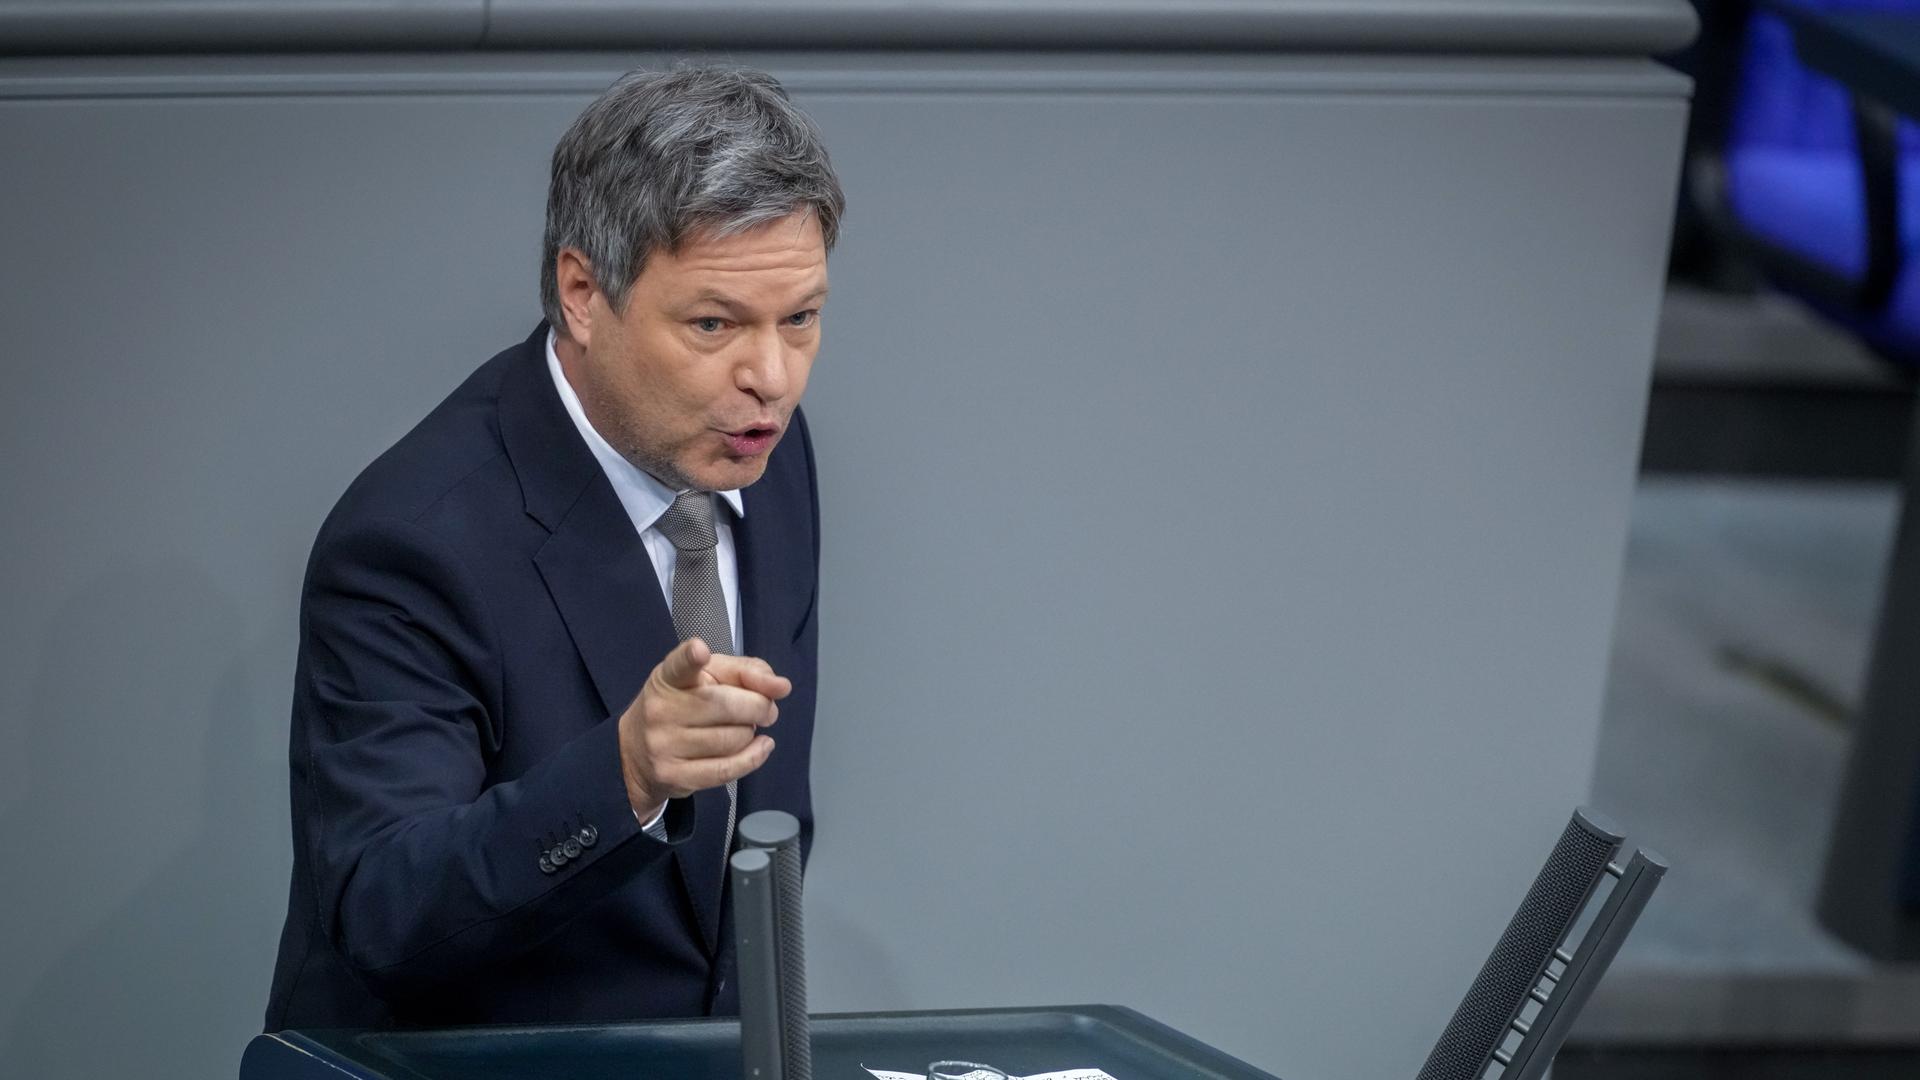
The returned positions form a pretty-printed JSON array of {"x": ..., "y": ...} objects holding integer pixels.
[{"x": 696, "y": 724}]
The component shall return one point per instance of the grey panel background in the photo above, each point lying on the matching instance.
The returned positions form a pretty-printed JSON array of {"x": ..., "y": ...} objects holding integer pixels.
[
  {"x": 1200, "y": 466},
  {"x": 1560, "y": 26},
  {"x": 95, "y": 26}
]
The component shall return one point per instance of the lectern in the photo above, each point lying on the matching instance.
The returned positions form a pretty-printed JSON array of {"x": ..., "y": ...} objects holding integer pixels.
[
  {"x": 1021, "y": 1041},
  {"x": 775, "y": 1039}
]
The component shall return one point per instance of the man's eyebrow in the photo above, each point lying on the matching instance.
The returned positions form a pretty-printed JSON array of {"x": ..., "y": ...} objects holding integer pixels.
[{"x": 709, "y": 296}]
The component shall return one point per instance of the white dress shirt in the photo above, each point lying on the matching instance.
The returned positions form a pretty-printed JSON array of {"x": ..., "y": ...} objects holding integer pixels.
[{"x": 646, "y": 499}]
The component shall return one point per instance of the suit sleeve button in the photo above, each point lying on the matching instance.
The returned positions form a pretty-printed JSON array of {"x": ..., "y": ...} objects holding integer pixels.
[
  {"x": 588, "y": 836},
  {"x": 571, "y": 848},
  {"x": 557, "y": 856},
  {"x": 546, "y": 865}
]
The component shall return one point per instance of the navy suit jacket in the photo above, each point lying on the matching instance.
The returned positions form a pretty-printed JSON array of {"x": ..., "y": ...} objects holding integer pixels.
[{"x": 477, "y": 613}]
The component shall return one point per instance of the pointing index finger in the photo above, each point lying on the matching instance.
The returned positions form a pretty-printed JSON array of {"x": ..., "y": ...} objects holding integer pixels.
[
  {"x": 686, "y": 664},
  {"x": 751, "y": 673}
]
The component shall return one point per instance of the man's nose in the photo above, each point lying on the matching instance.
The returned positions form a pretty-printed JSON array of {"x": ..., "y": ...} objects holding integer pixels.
[{"x": 762, "y": 372}]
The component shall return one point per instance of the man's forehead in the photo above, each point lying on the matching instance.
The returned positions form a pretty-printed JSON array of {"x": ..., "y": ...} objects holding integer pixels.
[
  {"x": 796, "y": 237},
  {"x": 723, "y": 268}
]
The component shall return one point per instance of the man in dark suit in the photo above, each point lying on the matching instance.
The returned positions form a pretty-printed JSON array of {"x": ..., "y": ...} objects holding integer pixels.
[{"x": 545, "y": 638}]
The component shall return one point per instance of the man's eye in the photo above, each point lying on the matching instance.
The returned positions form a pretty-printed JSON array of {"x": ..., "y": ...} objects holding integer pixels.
[
  {"x": 803, "y": 318},
  {"x": 709, "y": 325}
]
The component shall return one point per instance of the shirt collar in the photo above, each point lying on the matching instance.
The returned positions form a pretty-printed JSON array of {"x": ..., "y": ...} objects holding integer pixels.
[{"x": 643, "y": 495}]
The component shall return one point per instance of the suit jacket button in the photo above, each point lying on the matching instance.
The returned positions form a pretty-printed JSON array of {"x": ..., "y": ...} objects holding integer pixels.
[
  {"x": 588, "y": 836},
  {"x": 571, "y": 848},
  {"x": 557, "y": 856},
  {"x": 546, "y": 865}
]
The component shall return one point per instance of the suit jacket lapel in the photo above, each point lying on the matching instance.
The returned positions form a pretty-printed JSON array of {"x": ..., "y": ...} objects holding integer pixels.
[
  {"x": 604, "y": 584},
  {"x": 594, "y": 565},
  {"x": 601, "y": 580}
]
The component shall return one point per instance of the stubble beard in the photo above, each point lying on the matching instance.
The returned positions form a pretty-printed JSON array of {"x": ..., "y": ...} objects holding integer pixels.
[
  {"x": 658, "y": 466},
  {"x": 623, "y": 434}
]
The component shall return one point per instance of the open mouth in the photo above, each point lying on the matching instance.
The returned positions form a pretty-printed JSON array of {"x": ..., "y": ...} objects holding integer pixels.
[{"x": 753, "y": 440}]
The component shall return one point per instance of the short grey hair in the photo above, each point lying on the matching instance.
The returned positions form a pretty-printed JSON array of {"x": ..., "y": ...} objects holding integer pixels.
[{"x": 662, "y": 155}]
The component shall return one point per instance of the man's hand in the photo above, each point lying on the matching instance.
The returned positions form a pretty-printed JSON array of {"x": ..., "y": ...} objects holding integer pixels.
[{"x": 696, "y": 724}]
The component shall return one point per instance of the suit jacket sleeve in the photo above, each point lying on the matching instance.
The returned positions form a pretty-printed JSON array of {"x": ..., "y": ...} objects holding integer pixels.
[{"x": 425, "y": 869}]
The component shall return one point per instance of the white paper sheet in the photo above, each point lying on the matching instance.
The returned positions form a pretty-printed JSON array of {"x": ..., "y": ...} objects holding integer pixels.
[{"x": 1062, "y": 1075}]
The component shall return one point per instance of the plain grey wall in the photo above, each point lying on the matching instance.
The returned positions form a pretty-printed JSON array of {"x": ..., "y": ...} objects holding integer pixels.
[{"x": 1225, "y": 461}]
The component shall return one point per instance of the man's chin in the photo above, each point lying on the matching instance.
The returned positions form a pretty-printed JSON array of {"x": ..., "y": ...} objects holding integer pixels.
[{"x": 729, "y": 473}]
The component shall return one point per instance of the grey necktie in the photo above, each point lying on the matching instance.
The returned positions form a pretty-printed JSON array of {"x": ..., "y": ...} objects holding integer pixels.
[{"x": 699, "y": 606}]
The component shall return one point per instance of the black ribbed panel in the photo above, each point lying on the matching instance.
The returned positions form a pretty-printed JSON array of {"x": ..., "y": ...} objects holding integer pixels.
[
  {"x": 1551, "y": 906},
  {"x": 796, "y": 1031}
]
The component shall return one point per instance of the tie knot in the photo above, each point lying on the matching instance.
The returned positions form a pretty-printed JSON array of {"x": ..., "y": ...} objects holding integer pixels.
[{"x": 688, "y": 523}]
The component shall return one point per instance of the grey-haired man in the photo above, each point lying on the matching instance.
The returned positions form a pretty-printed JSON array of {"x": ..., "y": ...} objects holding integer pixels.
[{"x": 545, "y": 638}]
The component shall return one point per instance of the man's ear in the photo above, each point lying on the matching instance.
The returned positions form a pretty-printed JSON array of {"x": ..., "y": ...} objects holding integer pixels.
[{"x": 573, "y": 277}]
